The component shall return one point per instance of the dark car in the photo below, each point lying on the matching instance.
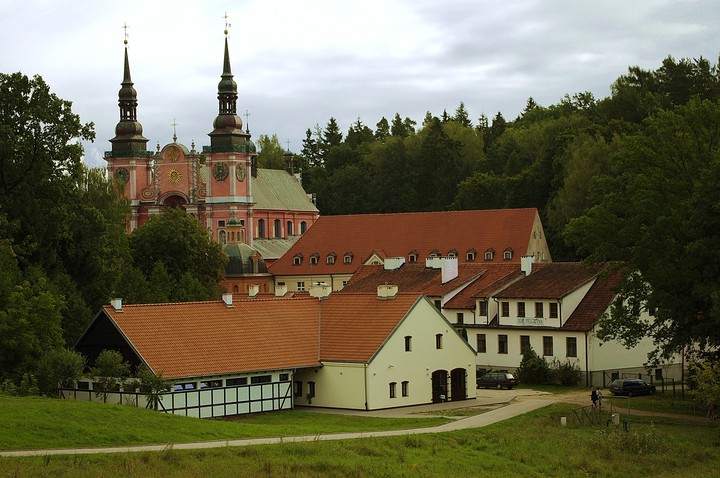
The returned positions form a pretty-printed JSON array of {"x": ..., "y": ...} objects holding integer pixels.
[
  {"x": 497, "y": 380},
  {"x": 631, "y": 386}
]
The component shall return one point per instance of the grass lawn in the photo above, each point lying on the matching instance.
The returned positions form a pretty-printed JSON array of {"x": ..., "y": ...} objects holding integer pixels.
[
  {"x": 531, "y": 445},
  {"x": 36, "y": 423}
]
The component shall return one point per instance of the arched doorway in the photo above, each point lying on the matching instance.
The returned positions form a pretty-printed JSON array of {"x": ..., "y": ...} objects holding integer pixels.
[
  {"x": 439, "y": 386},
  {"x": 175, "y": 201},
  {"x": 458, "y": 384}
]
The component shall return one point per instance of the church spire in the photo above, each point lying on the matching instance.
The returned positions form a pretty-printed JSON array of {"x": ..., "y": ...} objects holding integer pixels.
[
  {"x": 128, "y": 140},
  {"x": 228, "y": 134}
]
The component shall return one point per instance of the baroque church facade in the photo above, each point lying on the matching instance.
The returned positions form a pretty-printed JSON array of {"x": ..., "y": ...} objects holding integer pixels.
[{"x": 220, "y": 185}]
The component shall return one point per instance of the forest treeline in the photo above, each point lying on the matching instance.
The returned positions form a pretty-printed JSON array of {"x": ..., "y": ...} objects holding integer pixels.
[{"x": 545, "y": 158}]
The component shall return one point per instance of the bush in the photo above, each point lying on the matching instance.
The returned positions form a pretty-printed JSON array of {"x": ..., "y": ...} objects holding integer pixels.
[
  {"x": 533, "y": 369},
  {"x": 566, "y": 373}
]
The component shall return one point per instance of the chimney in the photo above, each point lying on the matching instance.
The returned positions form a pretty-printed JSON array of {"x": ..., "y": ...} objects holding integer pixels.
[
  {"x": 227, "y": 298},
  {"x": 116, "y": 304},
  {"x": 394, "y": 263},
  {"x": 320, "y": 290},
  {"x": 280, "y": 290},
  {"x": 387, "y": 291},
  {"x": 253, "y": 290},
  {"x": 526, "y": 263},
  {"x": 449, "y": 268}
]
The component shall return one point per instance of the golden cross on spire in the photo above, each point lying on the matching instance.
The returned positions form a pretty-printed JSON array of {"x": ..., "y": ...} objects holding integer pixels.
[
  {"x": 125, "y": 27},
  {"x": 288, "y": 144},
  {"x": 227, "y": 25},
  {"x": 174, "y": 124}
]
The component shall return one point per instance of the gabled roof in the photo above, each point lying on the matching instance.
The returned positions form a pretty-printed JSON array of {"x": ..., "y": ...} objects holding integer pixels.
[
  {"x": 494, "y": 278},
  {"x": 279, "y": 190},
  {"x": 207, "y": 338},
  {"x": 549, "y": 281},
  {"x": 355, "y": 326},
  {"x": 396, "y": 235},
  {"x": 195, "y": 339},
  {"x": 417, "y": 278},
  {"x": 595, "y": 303}
]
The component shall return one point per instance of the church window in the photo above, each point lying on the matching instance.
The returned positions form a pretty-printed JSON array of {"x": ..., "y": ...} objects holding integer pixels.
[
  {"x": 222, "y": 238},
  {"x": 289, "y": 228},
  {"x": 303, "y": 227},
  {"x": 261, "y": 228},
  {"x": 278, "y": 228}
]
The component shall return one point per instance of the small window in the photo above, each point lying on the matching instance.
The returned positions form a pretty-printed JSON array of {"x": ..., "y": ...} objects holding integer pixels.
[
  {"x": 211, "y": 384},
  {"x": 570, "y": 346},
  {"x": 303, "y": 227},
  {"x": 452, "y": 253},
  {"x": 330, "y": 259},
  {"x": 301, "y": 286},
  {"x": 502, "y": 344},
  {"x": 438, "y": 304},
  {"x": 221, "y": 223},
  {"x": 278, "y": 228},
  {"x": 311, "y": 389},
  {"x": 297, "y": 260},
  {"x": 553, "y": 310},
  {"x": 298, "y": 388},
  {"x": 483, "y": 308},
  {"x": 405, "y": 388},
  {"x": 505, "y": 309},
  {"x": 539, "y": 309},
  {"x": 489, "y": 255},
  {"x": 392, "y": 389},
  {"x": 412, "y": 258},
  {"x": 481, "y": 343},
  {"x": 524, "y": 343},
  {"x": 438, "y": 341},
  {"x": 261, "y": 379},
  {"x": 521, "y": 309},
  {"x": 547, "y": 346},
  {"x": 470, "y": 256},
  {"x": 290, "y": 228},
  {"x": 284, "y": 377},
  {"x": 314, "y": 259},
  {"x": 408, "y": 343},
  {"x": 507, "y": 255},
  {"x": 460, "y": 318},
  {"x": 347, "y": 259},
  {"x": 658, "y": 374},
  {"x": 261, "y": 228},
  {"x": 234, "y": 382}
]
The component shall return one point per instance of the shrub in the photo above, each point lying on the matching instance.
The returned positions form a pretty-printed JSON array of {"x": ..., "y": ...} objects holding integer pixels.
[
  {"x": 566, "y": 373},
  {"x": 533, "y": 369}
]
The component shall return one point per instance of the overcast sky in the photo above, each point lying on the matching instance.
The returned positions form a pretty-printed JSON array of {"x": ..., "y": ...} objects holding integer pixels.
[{"x": 297, "y": 63}]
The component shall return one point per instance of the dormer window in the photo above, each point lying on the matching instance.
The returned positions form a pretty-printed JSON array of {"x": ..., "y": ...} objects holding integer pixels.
[
  {"x": 470, "y": 256},
  {"x": 452, "y": 253},
  {"x": 347, "y": 258},
  {"x": 297, "y": 260},
  {"x": 413, "y": 256},
  {"x": 314, "y": 259},
  {"x": 435, "y": 253},
  {"x": 489, "y": 254},
  {"x": 507, "y": 254},
  {"x": 330, "y": 259}
]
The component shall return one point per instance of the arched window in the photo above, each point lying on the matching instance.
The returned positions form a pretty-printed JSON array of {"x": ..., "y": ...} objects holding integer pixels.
[
  {"x": 222, "y": 237},
  {"x": 303, "y": 227},
  {"x": 278, "y": 229},
  {"x": 289, "y": 228},
  {"x": 261, "y": 228}
]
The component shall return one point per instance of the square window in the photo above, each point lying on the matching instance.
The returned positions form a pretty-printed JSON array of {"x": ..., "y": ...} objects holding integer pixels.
[
  {"x": 483, "y": 308},
  {"x": 539, "y": 309},
  {"x": 347, "y": 259},
  {"x": 553, "y": 310},
  {"x": 460, "y": 318},
  {"x": 521, "y": 309},
  {"x": 301, "y": 286},
  {"x": 524, "y": 343}
]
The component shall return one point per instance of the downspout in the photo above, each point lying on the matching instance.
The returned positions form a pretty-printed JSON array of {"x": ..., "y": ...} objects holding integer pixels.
[
  {"x": 587, "y": 372},
  {"x": 365, "y": 365}
]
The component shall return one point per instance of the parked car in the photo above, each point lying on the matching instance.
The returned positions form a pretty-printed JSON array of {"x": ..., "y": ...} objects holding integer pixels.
[
  {"x": 497, "y": 380},
  {"x": 631, "y": 386}
]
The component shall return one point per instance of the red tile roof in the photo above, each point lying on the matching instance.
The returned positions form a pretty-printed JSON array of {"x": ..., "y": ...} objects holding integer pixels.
[
  {"x": 595, "y": 303},
  {"x": 207, "y": 338},
  {"x": 494, "y": 278},
  {"x": 549, "y": 281},
  {"x": 195, "y": 339},
  {"x": 396, "y": 235}
]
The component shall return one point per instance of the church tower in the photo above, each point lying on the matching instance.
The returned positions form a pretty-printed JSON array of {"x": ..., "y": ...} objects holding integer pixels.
[{"x": 230, "y": 162}]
